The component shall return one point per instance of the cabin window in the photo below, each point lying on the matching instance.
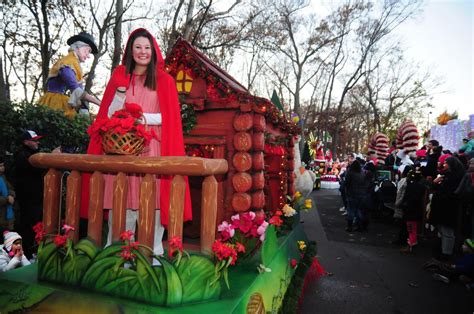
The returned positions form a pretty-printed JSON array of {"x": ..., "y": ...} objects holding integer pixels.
[{"x": 184, "y": 82}]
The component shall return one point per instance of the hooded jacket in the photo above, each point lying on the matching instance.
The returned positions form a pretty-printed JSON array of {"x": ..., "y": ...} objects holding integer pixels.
[{"x": 172, "y": 142}]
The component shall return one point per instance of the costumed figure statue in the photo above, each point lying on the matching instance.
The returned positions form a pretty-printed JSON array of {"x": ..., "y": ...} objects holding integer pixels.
[
  {"x": 408, "y": 138},
  {"x": 378, "y": 147},
  {"x": 66, "y": 76},
  {"x": 304, "y": 180}
]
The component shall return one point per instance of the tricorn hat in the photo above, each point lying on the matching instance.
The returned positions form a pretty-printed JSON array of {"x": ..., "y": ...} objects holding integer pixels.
[{"x": 84, "y": 37}]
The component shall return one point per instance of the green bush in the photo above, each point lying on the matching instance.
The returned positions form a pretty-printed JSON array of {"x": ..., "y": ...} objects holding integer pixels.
[{"x": 52, "y": 124}]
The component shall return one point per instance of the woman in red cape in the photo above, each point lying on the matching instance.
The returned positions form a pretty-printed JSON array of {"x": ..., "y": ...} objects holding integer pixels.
[{"x": 172, "y": 143}]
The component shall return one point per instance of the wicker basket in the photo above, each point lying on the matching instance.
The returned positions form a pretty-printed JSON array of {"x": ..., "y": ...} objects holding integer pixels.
[{"x": 122, "y": 144}]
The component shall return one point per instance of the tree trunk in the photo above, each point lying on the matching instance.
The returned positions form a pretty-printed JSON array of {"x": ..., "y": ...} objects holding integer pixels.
[{"x": 117, "y": 34}]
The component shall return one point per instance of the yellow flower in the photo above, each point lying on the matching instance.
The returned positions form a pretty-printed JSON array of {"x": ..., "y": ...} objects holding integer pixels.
[
  {"x": 301, "y": 245},
  {"x": 297, "y": 195},
  {"x": 308, "y": 203},
  {"x": 288, "y": 211}
]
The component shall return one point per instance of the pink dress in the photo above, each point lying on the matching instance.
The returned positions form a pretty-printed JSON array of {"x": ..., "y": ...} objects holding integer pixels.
[{"x": 148, "y": 100}]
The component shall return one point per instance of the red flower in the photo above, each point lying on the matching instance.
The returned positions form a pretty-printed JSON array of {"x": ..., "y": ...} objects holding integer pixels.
[
  {"x": 135, "y": 110},
  {"x": 224, "y": 251},
  {"x": 60, "y": 240},
  {"x": 38, "y": 227},
  {"x": 134, "y": 245},
  {"x": 126, "y": 235},
  {"x": 275, "y": 220},
  {"x": 293, "y": 263},
  {"x": 39, "y": 236},
  {"x": 175, "y": 244},
  {"x": 240, "y": 248},
  {"x": 127, "y": 255}
]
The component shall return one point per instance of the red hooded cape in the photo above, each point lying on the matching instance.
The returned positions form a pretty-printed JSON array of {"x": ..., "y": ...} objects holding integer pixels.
[{"x": 172, "y": 142}]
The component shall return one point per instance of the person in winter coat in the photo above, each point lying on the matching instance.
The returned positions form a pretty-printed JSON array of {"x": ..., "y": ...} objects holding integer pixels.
[
  {"x": 412, "y": 206},
  {"x": 445, "y": 204},
  {"x": 7, "y": 200},
  {"x": 11, "y": 252},
  {"x": 356, "y": 185},
  {"x": 29, "y": 189}
]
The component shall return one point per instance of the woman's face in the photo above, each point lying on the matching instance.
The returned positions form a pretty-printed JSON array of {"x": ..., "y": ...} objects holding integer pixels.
[
  {"x": 141, "y": 51},
  {"x": 83, "y": 53}
]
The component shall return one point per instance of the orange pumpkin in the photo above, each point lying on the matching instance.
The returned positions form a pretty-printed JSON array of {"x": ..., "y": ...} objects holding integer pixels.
[
  {"x": 242, "y": 161},
  {"x": 241, "y": 202},
  {"x": 242, "y": 141},
  {"x": 242, "y": 182}
]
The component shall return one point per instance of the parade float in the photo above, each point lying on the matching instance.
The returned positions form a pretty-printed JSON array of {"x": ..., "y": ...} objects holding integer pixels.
[
  {"x": 251, "y": 255},
  {"x": 450, "y": 132}
]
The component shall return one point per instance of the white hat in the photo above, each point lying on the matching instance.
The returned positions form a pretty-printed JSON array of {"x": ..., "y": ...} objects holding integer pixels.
[{"x": 9, "y": 237}]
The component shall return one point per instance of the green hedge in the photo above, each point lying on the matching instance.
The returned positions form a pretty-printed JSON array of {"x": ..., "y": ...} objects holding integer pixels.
[{"x": 52, "y": 124}]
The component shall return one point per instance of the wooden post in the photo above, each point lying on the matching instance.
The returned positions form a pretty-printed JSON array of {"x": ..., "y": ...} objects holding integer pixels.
[
  {"x": 176, "y": 210},
  {"x": 208, "y": 214},
  {"x": 147, "y": 208},
  {"x": 96, "y": 208},
  {"x": 119, "y": 206},
  {"x": 52, "y": 189},
  {"x": 73, "y": 203}
]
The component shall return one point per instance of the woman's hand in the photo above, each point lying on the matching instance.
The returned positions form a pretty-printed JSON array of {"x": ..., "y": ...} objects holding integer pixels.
[
  {"x": 438, "y": 179},
  {"x": 11, "y": 199}
]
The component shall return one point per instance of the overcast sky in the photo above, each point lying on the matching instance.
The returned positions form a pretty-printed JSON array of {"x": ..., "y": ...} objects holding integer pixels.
[{"x": 442, "y": 38}]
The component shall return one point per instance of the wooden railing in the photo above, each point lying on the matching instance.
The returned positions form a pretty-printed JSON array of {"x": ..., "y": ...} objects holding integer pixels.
[{"x": 123, "y": 165}]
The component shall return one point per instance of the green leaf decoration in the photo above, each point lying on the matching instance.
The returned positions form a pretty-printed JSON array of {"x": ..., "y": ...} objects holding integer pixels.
[
  {"x": 112, "y": 250},
  {"x": 174, "y": 287},
  {"x": 196, "y": 274},
  {"x": 47, "y": 251},
  {"x": 269, "y": 246},
  {"x": 99, "y": 269},
  {"x": 87, "y": 247},
  {"x": 74, "y": 269}
]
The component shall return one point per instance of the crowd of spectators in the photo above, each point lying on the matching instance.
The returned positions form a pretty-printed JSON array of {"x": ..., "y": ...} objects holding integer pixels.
[{"x": 432, "y": 188}]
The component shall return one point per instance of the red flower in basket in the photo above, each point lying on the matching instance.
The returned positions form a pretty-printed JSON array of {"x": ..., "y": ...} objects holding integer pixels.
[{"x": 123, "y": 133}]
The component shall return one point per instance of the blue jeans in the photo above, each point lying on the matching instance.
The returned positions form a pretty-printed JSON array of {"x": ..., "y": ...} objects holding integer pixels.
[{"x": 355, "y": 209}]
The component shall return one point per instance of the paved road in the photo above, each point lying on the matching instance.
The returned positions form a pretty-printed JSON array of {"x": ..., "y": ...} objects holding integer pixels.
[{"x": 368, "y": 274}]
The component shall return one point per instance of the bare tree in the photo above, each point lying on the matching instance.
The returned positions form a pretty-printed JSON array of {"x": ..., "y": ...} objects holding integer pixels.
[{"x": 370, "y": 33}]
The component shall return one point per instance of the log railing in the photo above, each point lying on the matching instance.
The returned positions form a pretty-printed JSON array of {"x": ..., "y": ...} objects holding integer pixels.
[{"x": 177, "y": 167}]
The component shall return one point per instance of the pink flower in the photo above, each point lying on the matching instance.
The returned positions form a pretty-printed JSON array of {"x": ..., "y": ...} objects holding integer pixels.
[
  {"x": 67, "y": 228},
  {"x": 226, "y": 230},
  {"x": 261, "y": 230}
]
